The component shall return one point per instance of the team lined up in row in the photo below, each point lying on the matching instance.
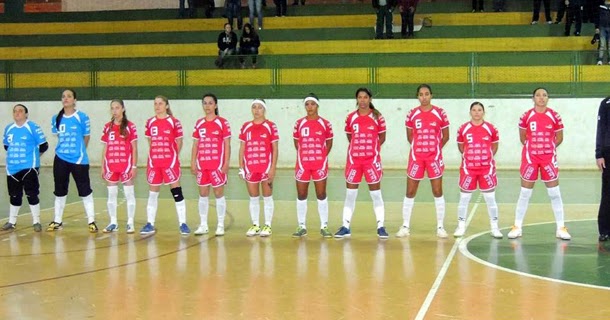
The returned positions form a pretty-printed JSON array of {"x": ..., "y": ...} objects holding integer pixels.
[{"x": 427, "y": 129}]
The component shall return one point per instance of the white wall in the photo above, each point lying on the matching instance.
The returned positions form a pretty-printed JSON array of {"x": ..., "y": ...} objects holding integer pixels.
[{"x": 577, "y": 150}]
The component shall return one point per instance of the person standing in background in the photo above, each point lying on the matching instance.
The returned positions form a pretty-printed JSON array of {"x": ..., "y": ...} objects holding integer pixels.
[
  {"x": 407, "y": 15},
  {"x": 547, "y": 11},
  {"x": 602, "y": 156},
  {"x": 384, "y": 9}
]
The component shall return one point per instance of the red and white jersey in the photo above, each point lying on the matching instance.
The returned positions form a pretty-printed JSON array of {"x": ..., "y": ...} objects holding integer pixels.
[
  {"x": 258, "y": 139},
  {"x": 311, "y": 136},
  {"x": 477, "y": 141},
  {"x": 163, "y": 133},
  {"x": 540, "y": 133},
  {"x": 210, "y": 136},
  {"x": 365, "y": 130},
  {"x": 427, "y": 129},
  {"x": 118, "y": 156}
]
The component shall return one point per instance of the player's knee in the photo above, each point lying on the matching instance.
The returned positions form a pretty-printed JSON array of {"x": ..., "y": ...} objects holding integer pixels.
[
  {"x": 33, "y": 200},
  {"x": 177, "y": 193},
  {"x": 321, "y": 195},
  {"x": 16, "y": 201}
]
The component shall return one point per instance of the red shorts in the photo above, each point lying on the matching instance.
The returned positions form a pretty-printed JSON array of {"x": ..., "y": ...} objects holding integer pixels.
[
  {"x": 115, "y": 177},
  {"x": 417, "y": 168},
  {"x": 306, "y": 175},
  {"x": 549, "y": 171},
  {"x": 256, "y": 177},
  {"x": 485, "y": 179},
  {"x": 216, "y": 178},
  {"x": 372, "y": 172},
  {"x": 159, "y": 176}
]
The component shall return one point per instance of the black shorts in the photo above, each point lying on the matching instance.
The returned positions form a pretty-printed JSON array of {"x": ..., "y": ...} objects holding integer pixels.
[
  {"x": 24, "y": 180},
  {"x": 61, "y": 176}
]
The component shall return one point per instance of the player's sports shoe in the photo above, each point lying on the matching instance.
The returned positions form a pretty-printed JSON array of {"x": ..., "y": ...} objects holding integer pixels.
[
  {"x": 326, "y": 233},
  {"x": 111, "y": 228},
  {"x": 441, "y": 233},
  {"x": 459, "y": 231},
  {"x": 184, "y": 229},
  {"x": 130, "y": 229},
  {"x": 220, "y": 230},
  {"x": 301, "y": 232},
  {"x": 495, "y": 232},
  {"x": 8, "y": 226},
  {"x": 562, "y": 233},
  {"x": 93, "y": 227},
  {"x": 343, "y": 232},
  {"x": 202, "y": 230},
  {"x": 266, "y": 231},
  {"x": 381, "y": 233},
  {"x": 404, "y": 231},
  {"x": 54, "y": 226},
  {"x": 148, "y": 228},
  {"x": 515, "y": 232},
  {"x": 37, "y": 227},
  {"x": 253, "y": 231}
]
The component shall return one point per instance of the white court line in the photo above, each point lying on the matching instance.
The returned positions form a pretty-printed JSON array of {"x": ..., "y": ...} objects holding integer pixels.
[
  {"x": 441, "y": 275},
  {"x": 465, "y": 252}
]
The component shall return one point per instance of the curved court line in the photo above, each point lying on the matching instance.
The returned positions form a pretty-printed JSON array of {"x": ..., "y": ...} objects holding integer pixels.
[
  {"x": 464, "y": 250},
  {"x": 70, "y": 275}
]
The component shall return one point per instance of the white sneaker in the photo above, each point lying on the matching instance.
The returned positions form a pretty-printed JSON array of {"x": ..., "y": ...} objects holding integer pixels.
[
  {"x": 515, "y": 233},
  {"x": 599, "y": 63},
  {"x": 266, "y": 231},
  {"x": 496, "y": 233},
  {"x": 253, "y": 231},
  {"x": 441, "y": 233},
  {"x": 459, "y": 231},
  {"x": 203, "y": 229},
  {"x": 562, "y": 233},
  {"x": 403, "y": 232},
  {"x": 220, "y": 230},
  {"x": 130, "y": 228}
]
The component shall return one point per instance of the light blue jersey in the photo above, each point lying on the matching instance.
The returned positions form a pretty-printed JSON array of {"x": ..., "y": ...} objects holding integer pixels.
[
  {"x": 23, "y": 142},
  {"x": 70, "y": 134}
]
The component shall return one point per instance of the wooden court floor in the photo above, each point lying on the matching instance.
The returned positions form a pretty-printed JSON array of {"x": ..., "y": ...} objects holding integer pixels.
[{"x": 71, "y": 274}]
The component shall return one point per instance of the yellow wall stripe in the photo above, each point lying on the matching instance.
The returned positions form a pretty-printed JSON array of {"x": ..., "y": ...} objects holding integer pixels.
[
  {"x": 324, "y": 76},
  {"x": 51, "y": 80},
  {"x": 528, "y": 74},
  {"x": 228, "y": 77},
  {"x": 595, "y": 74},
  {"x": 137, "y": 78},
  {"x": 423, "y": 75}
]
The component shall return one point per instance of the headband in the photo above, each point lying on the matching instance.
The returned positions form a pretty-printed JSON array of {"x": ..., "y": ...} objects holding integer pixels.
[
  {"x": 311, "y": 99},
  {"x": 259, "y": 101}
]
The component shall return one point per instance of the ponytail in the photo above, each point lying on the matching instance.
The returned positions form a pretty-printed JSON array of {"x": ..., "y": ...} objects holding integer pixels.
[
  {"x": 376, "y": 113},
  {"x": 213, "y": 96}
]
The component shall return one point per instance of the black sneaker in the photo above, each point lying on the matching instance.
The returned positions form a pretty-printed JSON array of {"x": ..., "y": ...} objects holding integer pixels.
[{"x": 8, "y": 226}]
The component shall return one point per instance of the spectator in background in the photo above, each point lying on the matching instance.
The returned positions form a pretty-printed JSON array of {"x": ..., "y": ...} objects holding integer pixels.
[
  {"x": 479, "y": 8},
  {"x": 384, "y": 10},
  {"x": 602, "y": 30},
  {"x": 296, "y": 2},
  {"x": 561, "y": 10},
  {"x": 574, "y": 8},
  {"x": 407, "y": 14},
  {"x": 499, "y": 5},
  {"x": 209, "y": 7},
  {"x": 547, "y": 11},
  {"x": 280, "y": 8},
  {"x": 248, "y": 45},
  {"x": 256, "y": 5},
  {"x": 234, "y": 11},
  {"x": 602, "y": 155},
  {"x": 190, "y": 13},
  {"x": 227, "y": 44}
]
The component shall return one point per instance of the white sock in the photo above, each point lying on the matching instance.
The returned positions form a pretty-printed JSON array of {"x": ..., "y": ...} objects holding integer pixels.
[
  {"x": 407, "y": 210},
  {"x": 349, "y": 205},
  {"x": 60, "y": 204},
  {"x": 203, "y": 210},
  {"x": 131, "y": 203},
  {"x": 13, "y": 212},
  {"x": 462, "y": 209},
  {"x": 557, "y": 205},
  {"x": 268, "y": 208},
  {"x": 35, "y": 208},
  {"x": 439, "y": 203},
  {"x": 151, "y": 207},
  {"x": 302, "y": 212},
  {"x": 378, "y": 207},
  {"x": 524, "y": 198},
  {"x": 89, "y": 210},
  {"x": 492, "y": 208},
  {"x": 181, "y": 211},
  {"x": 323, "y": 211},
  {"x": 221, "y": 210},
  {"x": 255, "y": 208},
  {"x": 113, "y": 192}
]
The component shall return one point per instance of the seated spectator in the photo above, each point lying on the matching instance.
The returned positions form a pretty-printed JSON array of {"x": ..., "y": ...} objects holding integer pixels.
[
  {"x": 227, "y": 43},
  {"x": 234, "y": 11},
  {"x": 248, "y": 45}
]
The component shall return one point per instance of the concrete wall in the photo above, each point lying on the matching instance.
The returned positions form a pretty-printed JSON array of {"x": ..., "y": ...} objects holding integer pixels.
[{"x": 577, "y": 150}]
